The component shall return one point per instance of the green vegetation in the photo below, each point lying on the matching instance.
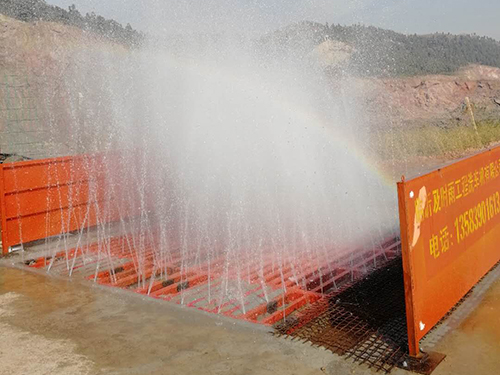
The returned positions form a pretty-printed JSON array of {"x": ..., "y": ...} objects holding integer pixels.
[
  {"x": 385, "y": 52},
  {"x": 379, "y": 52},
  {"x": 437, "y": 141},
  {"x": 39, "y": 10}
]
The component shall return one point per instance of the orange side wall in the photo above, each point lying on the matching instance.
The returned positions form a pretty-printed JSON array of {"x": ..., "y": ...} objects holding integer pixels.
[{"x": 47, "y": 197}]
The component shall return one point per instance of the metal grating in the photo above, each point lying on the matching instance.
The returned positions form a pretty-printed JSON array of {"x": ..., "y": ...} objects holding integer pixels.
[
  {"x": 365, "y": 322},
  {"x": 265, "y": 291}
]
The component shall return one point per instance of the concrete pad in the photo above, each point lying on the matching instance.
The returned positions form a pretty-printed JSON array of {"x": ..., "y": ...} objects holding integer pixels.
[{"x": 55, "y": 326}]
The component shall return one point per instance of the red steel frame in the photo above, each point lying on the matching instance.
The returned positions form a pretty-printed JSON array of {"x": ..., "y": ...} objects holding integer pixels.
[
  {"x": 450, "y": 236},
  {"x": 164, "y": 279}
]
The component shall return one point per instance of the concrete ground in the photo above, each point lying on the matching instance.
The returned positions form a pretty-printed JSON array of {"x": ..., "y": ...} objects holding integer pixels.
[{"x": 53, "y": 326}]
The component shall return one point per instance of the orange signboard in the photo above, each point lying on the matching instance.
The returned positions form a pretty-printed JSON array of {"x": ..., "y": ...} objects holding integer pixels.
[{"x": 450, "y": 233}]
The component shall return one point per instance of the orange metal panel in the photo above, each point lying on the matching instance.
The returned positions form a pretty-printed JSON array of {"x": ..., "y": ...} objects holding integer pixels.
[
  {"x": 3, "y": 216},
  {"x": 30, "y": 175},
  {"x": 35, "y": 227},
  {"x": 52, "y": 198},
  {"x": 47, "y": 197},
  {"x": 450, "y": 233}
]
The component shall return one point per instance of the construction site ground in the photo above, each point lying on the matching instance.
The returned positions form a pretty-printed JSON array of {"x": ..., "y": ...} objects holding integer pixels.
[{"x": 55, "y": 326}]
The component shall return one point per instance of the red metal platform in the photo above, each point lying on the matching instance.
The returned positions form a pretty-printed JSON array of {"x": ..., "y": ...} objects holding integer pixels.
[{"x": 264, "y": 290}]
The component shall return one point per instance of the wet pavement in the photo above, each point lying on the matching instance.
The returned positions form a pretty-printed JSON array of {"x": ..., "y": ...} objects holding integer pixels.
[
  {"x": 54, "y": 326},
  {"x": 51, "y": 326}
]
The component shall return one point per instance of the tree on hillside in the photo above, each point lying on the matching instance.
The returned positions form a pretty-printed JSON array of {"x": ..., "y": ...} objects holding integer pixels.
[
  {"x": 379, "y": 52},
  {"x": 39, "y": 10}
]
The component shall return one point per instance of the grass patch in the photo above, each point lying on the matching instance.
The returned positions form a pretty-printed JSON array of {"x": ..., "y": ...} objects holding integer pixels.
[{"x": 437, "y": 141}]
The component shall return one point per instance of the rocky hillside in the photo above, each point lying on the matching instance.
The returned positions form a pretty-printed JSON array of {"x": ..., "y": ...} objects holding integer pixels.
[
  {"x": 38, "y": 54},
  {"x": 39, "y": 10},
  {"x": 379, "y": 68},
  {"x": 36, "y": 59},
  {"x": 45, "y": 47},
  {"x": 433, "y": 99}
]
